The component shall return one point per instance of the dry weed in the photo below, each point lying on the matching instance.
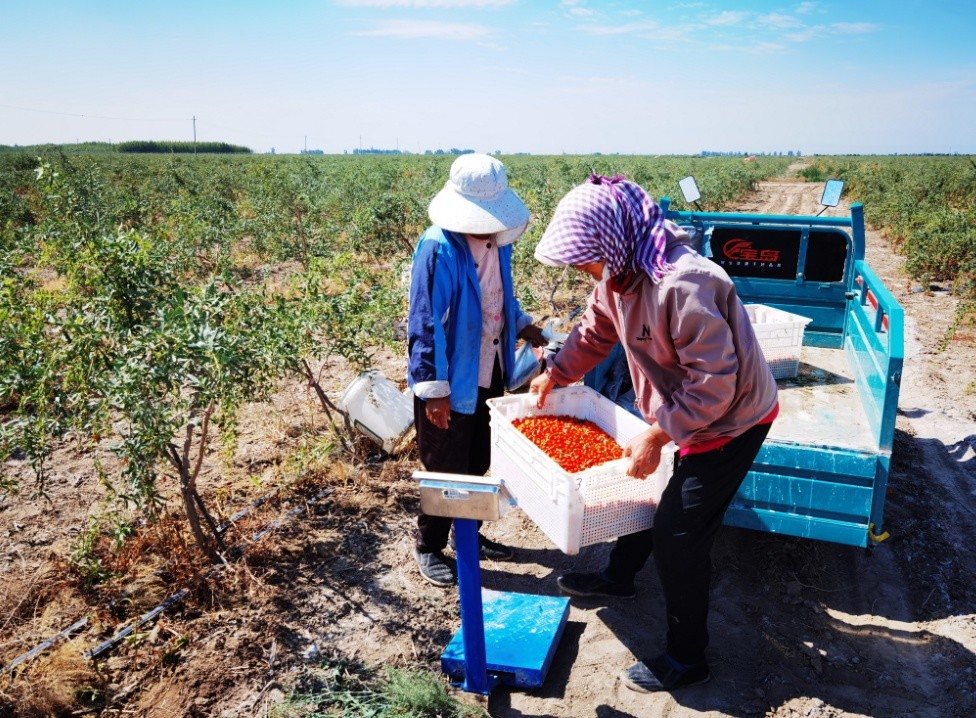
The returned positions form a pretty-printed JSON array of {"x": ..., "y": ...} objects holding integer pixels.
[{"x": 61, "y": 683}]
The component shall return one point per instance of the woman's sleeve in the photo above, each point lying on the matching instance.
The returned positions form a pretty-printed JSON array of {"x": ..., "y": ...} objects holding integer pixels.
[
  {"x": 589, "y": 343},
  {"x": 430, "y": 302},
  {"x": 705, "y": 348}
]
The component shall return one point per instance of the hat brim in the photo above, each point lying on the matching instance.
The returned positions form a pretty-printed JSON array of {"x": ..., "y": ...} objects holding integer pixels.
[{"x": 456, "y": 213}]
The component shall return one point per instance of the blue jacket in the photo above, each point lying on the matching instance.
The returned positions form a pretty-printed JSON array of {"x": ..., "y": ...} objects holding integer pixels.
[{"x": 444, "y": 324}]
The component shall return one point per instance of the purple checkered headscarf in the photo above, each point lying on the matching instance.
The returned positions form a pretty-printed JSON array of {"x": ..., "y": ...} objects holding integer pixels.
[{"x": 607, "y": 219}]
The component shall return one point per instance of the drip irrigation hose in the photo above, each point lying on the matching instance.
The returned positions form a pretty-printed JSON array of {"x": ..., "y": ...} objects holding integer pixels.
[
  {"x": 143, "y": 620},
  {"x": 234, "y": 553},
  {"x": 43, "y": 646}
]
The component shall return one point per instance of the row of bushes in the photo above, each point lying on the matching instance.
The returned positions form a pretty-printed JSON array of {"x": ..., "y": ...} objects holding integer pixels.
[{"x": 191, "y": 148}]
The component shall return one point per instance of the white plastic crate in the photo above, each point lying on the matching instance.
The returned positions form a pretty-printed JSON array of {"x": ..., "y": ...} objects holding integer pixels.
[
  {"x": 587, "y": 507},
  {"x": 780, "y": 336}
]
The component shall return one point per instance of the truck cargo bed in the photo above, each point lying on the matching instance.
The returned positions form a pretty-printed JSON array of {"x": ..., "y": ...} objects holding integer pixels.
[{"x": 821, "y": 407}]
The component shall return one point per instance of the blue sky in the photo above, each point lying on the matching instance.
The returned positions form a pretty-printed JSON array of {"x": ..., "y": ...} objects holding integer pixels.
[{"x": 576, "y": 76}]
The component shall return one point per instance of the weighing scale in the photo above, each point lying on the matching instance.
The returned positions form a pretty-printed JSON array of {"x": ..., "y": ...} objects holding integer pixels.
[{"x": 505, "y": 638}]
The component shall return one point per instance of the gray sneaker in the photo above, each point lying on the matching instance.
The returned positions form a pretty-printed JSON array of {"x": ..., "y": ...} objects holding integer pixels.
[
  {"x": 435, "y": 568},
  {"x": 594, "y": 584}
]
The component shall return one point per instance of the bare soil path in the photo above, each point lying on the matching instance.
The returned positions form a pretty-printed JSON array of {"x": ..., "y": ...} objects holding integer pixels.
[{"x": 798, "y": 627}]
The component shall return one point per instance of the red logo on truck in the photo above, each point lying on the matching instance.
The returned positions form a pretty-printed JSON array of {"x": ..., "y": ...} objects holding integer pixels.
[{"x": 743, "y": 251}]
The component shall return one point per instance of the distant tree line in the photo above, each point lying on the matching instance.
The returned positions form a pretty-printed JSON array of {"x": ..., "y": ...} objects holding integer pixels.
[
  {"x": 156, "y": 147},
  {"x": 791, "y": 153},
  {"x": 452, "y": 151},
  {"x": 135, "y": 147},
  {"x": 376, "y": 151}
]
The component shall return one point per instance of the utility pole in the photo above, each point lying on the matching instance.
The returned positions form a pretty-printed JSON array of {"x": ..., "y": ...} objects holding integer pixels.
[{"x": 194, "y": 134}]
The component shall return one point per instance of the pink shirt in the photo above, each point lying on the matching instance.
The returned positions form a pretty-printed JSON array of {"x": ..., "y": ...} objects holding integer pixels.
[{"x": 489, "y": 272}]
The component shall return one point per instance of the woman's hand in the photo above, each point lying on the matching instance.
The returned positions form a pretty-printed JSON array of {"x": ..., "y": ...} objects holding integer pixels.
[
  {"x": 542, "y": 385},
  {"x": 439, "y": 411},
  {"x": 645, "y": 452},
  {"x": 533, "y": 334}
]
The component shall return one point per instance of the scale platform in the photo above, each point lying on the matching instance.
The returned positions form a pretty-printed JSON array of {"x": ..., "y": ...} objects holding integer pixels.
[
  {"x": 521, "y": 633},
  {"x": 505, "y": 638}
]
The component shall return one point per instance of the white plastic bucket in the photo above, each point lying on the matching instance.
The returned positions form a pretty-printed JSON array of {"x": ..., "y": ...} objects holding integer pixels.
[{"x": 378, "y": 409}]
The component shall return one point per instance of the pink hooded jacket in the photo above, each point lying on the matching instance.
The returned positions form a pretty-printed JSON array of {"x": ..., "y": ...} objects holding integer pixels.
[{"x": 696, "y": 365}]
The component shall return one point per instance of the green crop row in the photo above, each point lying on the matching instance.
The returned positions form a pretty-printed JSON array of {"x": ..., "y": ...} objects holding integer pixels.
[
  {"x": 925, "y": 206},
  {"x": 241, "y": 213},
  {"x": 145, "y": 298}
]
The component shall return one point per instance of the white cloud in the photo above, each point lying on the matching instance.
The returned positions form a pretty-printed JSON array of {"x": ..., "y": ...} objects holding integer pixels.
[
  {"x": 766, "y": 47},
  {"x": 426, "y": 3},
  {"x": 805, "y": 35},
  {"x": 854, "y": 28},
  {"x": 779, "y": 20},
  {"x": 727, "y": 18},
  {"x": 415, "y": 29},
  {"x": 756, "y": 48},
  {"x": 577, "y": 8},
  {"x": 838, "y": 28},
  {"x": 805, "y": 8},
  {"x": 624, "y": 29}
]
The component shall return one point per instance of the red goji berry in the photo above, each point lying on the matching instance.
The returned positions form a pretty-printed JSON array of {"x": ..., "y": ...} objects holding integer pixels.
[{"x": 574, "y": 444}]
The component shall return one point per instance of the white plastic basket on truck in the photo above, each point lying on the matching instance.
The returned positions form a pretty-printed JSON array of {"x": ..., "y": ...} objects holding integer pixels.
[
  {"x": 581, "y": 509},
  {"x": 780, "y": 336}
]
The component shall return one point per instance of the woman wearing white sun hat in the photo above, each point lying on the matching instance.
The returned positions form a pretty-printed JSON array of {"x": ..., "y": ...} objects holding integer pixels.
[{"x": 462, "y": 329}]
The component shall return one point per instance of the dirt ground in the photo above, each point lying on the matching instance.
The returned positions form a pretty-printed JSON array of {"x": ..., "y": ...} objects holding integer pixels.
[{"x": 798, "y": 627}]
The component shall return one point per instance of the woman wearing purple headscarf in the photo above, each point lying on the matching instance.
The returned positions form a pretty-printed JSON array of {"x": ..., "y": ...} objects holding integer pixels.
[{"x": 700, "y": 379}]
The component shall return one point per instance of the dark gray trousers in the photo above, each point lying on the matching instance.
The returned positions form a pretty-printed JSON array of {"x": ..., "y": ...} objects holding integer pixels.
[
  {"x": 463, "y": 448},
  {"x": 685, "y": 525}
]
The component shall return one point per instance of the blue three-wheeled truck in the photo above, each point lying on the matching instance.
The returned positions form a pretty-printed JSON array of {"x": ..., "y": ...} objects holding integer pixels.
[{"x": 823, "y": 471}]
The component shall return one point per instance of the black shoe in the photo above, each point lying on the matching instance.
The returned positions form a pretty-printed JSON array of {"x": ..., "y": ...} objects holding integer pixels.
[
  {"x": 494, "y": 551},
  {"x": 434, "y": 568},
  {"x": 662, "y": 675},
  {"x": 490, "y": 550},
  {"x": 594, "y": 584}
]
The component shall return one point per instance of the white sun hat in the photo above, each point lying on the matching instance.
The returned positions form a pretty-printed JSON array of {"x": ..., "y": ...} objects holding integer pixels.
[{"x": 477, "y": 200}]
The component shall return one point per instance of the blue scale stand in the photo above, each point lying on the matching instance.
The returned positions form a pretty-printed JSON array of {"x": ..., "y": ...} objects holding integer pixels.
[{"x": 505, "y": 638}]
